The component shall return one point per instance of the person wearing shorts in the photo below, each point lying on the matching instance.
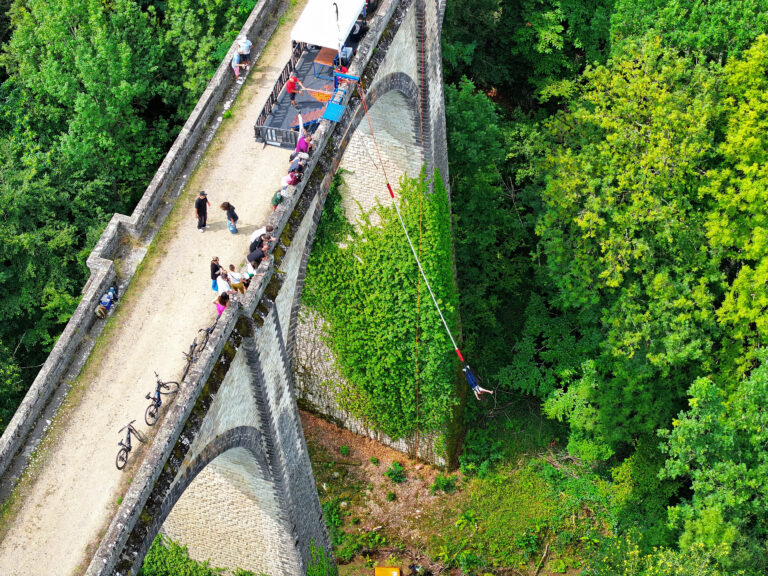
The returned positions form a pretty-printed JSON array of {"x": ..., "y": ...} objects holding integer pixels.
[
  {"x": 244, "y": 49},
  {"x": 293, "y": 87}
]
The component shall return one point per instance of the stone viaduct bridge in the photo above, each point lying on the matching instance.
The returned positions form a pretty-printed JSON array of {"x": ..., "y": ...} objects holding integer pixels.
[{"x": 235, "y": 421}]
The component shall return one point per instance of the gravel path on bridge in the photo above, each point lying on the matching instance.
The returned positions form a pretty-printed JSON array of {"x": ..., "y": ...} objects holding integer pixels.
[{"x": 68, "y": 503}]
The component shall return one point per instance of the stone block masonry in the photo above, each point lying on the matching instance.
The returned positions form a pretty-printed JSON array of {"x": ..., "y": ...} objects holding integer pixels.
[{"x": 405, "y": 101}]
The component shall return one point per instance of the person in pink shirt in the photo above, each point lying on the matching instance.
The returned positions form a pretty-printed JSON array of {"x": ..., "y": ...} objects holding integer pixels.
[
  {"x": 305, "y": 141},
  {"x": 222, "y": 303}
]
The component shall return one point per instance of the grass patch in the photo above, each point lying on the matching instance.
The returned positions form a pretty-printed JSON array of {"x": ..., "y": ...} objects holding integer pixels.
[
  {"x": 443, "y": 483},
  {"x": 525, "y": 505}
]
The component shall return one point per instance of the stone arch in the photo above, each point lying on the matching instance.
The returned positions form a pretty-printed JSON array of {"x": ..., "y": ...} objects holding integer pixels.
[
  {"x": 407, "y": 87},
  {"x": 399, "y": 82},
  {"x": 235, "y": 461}
]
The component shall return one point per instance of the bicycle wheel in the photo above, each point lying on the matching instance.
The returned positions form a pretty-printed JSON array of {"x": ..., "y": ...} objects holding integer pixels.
[
  {"x": 169, "y": 387},
  {"x": 150, "y": 416},
  {"x": 203, "y": 343},
  {"x": 122, "y": 458}
]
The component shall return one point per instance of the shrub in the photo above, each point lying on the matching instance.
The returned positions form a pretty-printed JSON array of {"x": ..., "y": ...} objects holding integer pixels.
[
  {"x": 373, "y": 460},
  {"x": 445, "y": 483},
  {"x": 344, "y": 449},
  {"x": 167, "y": 558},
  {"x": 321, "y": 564},
  {"x": 391, "y": 496},
  {"x": 396, "y": 473}
]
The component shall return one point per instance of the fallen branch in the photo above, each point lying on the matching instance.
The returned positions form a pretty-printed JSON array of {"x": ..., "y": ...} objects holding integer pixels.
[{"x": 541, "y": 562}]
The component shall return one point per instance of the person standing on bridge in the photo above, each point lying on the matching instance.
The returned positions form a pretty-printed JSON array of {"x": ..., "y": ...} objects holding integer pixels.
[
  {"x": 304, "y": 143},
  {"x": 215, "y": 271},
  {"x": 232, "y": 217},
  {"x": 263, "y": 231},
  {"x": 201, "y": 211},
  {"x": 244, "y": 49},
  {"x": 236, "y": 280},
  {"x": 222, "y": 303},
  {"x": 292, "y": 88},
  {"x": 237, "y": 64}
]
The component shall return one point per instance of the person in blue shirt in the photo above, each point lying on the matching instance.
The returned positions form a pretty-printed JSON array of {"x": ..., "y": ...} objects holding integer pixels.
[
  {"x": 473, "y": 383},
  {"x": 244, "y": 49}
]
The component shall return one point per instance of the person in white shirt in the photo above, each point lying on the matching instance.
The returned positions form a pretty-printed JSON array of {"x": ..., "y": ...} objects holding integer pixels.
[
  {"x": 236, "y": 279},
  {"x": 244, "y": 49},
  {"x": 222, "y": 283}
]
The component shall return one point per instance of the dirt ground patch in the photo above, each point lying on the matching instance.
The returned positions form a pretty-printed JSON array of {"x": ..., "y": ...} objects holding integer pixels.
[{"x": 349, "y": 470}]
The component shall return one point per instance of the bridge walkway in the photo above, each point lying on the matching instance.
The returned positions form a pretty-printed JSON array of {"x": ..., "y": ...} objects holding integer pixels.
[{"x": 71, "y": 491}]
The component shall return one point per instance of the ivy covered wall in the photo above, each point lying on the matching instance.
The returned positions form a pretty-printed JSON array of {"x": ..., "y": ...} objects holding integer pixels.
[{"x": 386, "y": 335}]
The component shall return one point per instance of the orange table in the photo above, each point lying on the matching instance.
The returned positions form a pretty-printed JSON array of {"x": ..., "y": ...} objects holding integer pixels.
[{"x": 324, "y": 58}]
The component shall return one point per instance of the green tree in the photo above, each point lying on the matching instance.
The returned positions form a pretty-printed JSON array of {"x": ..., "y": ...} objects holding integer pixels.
[
  {"x": 737, "y": 226},
  {"x": 88, "y": 71},
  {"x": 715, "y": 28},
  {"x": 525, "y": 47},
  {"x": 718, "y": 446},
  {"x": 622, "y": 230},
  {"x": 491, "y": 227},
  {"x": 623, "y": 557},
  {"x": 200, "y": 32}
]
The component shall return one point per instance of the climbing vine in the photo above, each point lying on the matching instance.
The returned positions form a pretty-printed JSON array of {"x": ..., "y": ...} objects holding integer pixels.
[{"x": 364, "y": 282}]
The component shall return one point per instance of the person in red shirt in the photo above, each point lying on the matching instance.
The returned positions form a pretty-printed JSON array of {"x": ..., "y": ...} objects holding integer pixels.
[
  {"x": 292, "y": 87},
  {"x": 339, "y": 68}
]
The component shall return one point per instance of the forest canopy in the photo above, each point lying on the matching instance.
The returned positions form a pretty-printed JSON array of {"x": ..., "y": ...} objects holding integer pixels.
[{"x": 622, "y": 276}]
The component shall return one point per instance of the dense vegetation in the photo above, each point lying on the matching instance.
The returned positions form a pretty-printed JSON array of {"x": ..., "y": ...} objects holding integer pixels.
[
  {"x": 364, "y": 282},
  {"x": 609, "y": 195},
  {"x": 93, "y": 94},
  {"x": 168, "y": 558}
]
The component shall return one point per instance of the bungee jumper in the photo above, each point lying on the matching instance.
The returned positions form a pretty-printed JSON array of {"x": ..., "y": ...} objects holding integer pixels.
[
  {"x": 469, "y": 375},
  {"x": 473, "y": 383}
]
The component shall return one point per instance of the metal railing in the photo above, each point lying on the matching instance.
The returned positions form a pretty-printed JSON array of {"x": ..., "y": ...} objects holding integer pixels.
[{"x": 259, "y": 129}]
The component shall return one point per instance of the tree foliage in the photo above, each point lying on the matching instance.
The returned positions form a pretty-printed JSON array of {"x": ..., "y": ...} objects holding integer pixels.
[
  {"x": 622, "y": 228},
  {"x": 644, "y": 287},
  {"x": 713, "y": 28},
  {"x": 491, "y": 227},
  {"x": 525, "y": 48},
  {"x": 718, "y": 445}
]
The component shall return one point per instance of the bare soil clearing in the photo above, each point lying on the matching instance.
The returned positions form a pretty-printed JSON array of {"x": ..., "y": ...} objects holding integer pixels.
[
  {"x": 68, "y": 500},
  {"x": 362, "y": 487}
]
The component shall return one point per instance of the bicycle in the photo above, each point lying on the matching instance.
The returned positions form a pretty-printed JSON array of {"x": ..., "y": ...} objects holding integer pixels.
[
  {"x": 197, "y": 347},
  {"x": 153, "y": 410},
  {"x": 125, "y": 446}
]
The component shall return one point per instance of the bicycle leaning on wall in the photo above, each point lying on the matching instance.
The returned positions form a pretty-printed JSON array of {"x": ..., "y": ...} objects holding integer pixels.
[
  {"x": 125, "y": 445},
  {"x": 153, "y": 410}
]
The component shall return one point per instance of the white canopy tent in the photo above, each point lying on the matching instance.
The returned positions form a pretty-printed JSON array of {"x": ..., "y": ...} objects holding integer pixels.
[{"x": 318, "y": 25}]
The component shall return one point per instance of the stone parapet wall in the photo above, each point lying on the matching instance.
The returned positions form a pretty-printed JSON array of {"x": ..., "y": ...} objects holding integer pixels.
[{"x": 182, "y": 156}]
